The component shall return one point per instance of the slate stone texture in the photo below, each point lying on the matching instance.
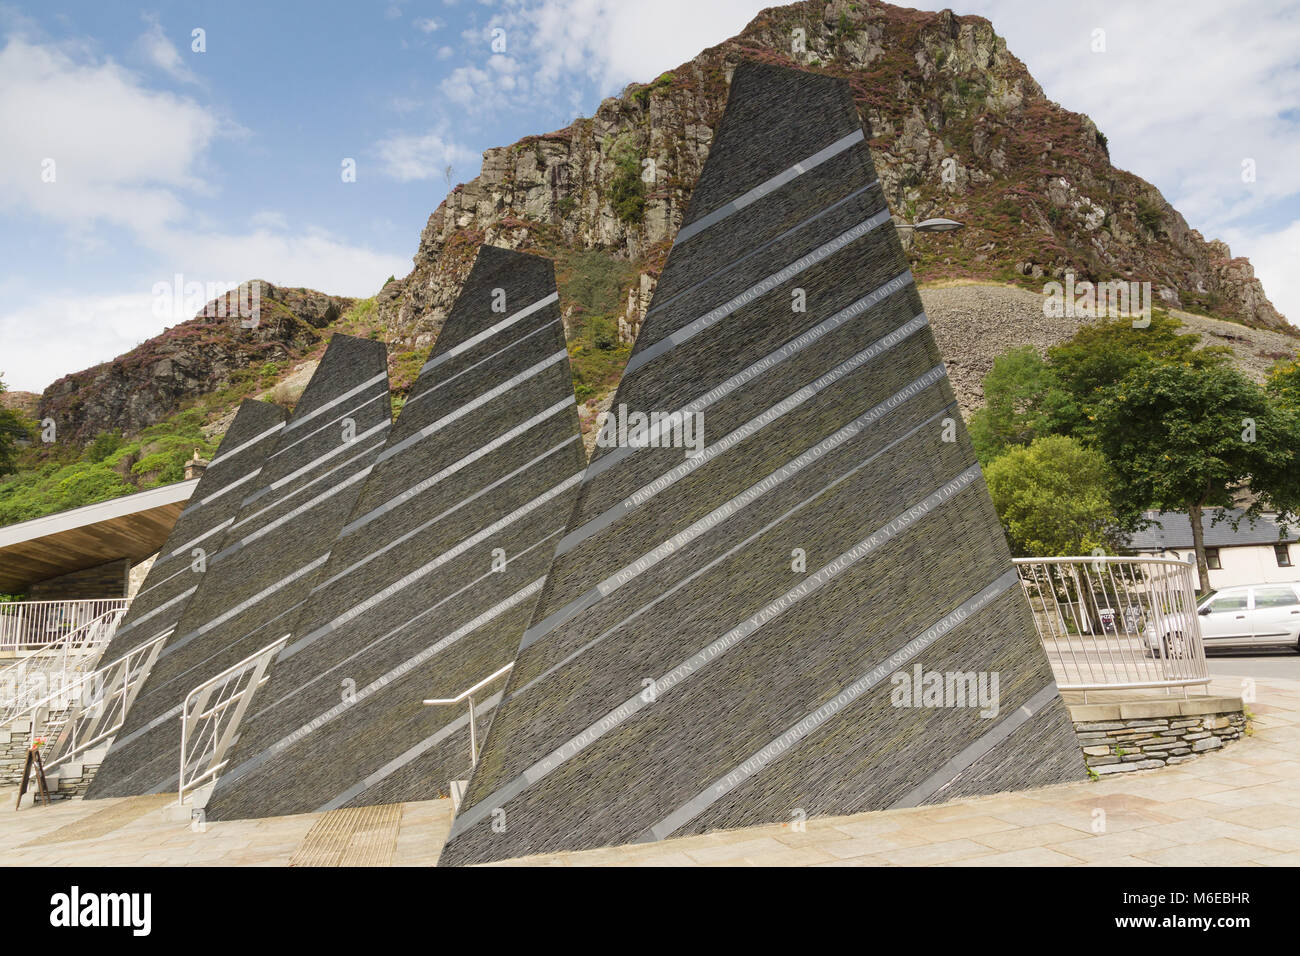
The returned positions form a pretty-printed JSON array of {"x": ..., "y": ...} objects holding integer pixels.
[
  {"x": 172, "y": 580},
  {"x": 716, "y": 642},
  {"x": 435, "y": 574},
  {"x": 254, "y": 588}
]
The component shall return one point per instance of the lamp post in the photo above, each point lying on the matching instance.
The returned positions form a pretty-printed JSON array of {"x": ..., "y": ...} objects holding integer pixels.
[{"x": 932, "y": 225}]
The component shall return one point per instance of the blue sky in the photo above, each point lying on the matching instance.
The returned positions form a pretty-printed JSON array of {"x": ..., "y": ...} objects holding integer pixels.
[{"x": 225, "y": 164}]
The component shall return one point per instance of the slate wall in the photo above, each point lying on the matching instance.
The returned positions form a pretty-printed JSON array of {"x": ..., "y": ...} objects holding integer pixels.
[
  {"x": 715, "y": 641},
  {"x": 254, "y": 587},
  {"x": 436, "y": 572}
]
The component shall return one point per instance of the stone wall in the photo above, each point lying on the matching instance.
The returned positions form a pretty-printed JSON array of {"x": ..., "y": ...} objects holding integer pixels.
[
  {"x": 1144, "y": 735},
  {"x": 108, "y": 580},
  {"x": 70, "y": 780}
]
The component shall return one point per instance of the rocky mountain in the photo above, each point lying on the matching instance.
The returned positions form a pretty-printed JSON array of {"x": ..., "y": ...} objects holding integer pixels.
[
  {"x": 958, "y": 128},
  {"x": 215, "y": 350}
]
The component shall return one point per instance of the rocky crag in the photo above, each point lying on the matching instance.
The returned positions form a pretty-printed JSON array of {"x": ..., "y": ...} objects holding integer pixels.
[{"x": 958, "y": 128}]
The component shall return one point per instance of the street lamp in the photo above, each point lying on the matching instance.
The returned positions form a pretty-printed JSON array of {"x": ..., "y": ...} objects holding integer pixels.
[{"x": 932, "y": 225}]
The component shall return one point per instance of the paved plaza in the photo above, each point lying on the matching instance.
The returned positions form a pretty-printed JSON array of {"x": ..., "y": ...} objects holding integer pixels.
[{"x": 1236, "y": 807}]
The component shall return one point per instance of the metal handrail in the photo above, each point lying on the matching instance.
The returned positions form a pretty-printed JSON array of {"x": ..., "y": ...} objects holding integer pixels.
[
  {"x": 469, "y": 693},
  {"x": 88, "y": 723},
  {"x": 90, "y": 639},
  {"x": 39, "y": 620},
  {"x": 205, "y": 740},
  {"x": 1116, "y": 623}
]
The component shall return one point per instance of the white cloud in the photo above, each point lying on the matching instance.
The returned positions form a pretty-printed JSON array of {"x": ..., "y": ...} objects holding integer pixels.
[
  {"x": 615, "y": 43},
  {"x": 126, "y": 161},
  {"x": 120, "y": 153},
  {"x": 409, "y": 156},
  {"x": 426, "y": 24},
  {"x": 159, "y": 50},
  {"x": 52, "y": 335},
  {"x": 1218, "y": 87}
]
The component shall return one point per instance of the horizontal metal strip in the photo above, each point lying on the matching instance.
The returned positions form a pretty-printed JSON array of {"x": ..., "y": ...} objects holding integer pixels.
[
  {"x": 726, "y": 510},
  {"x": 380, "y": 683},
  {"x": 243, "y": 606},
  {"x": 298, "y": 422},
  {"x": 739, "y": 434},
  {"x": 687, "y": 332},
  {"x": 315, "y": 502},
  {"x": 713, "y": 652},
  {"x": 769, "y": 186},
  {"x": 452, "y": 553},
  {"x": 479, "y": 453},
  {"x": 754, "y": 371},
  {"x": 490, "y": 331},
  {"x": 801, "y": 729},
  {"x": 472, "y": 405},
  {"x": 224, "y": 454},
  {"x": 659, "y": 304},
  {"x": 430, "y": 522},
  {"x": 402, "y": 759},
  {"x": 332, "y": 423},
  {"x": 958, "y": 765},
  {"x": 730, "y": 552},
  {"x": 497, "y": 354},
  {"x": 245, "y": 518},
  {"x": 318, "y": 461}
]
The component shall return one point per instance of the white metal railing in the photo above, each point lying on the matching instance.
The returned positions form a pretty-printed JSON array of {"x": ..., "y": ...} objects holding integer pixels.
[
  {"x": 1116, "y": 623},
  {"x": 212, "y": 712},
  {"x": 468, "y": 694},
  {"x": 27, "y": 625},
  {"x": 94, "y": 705},
  {"x": 56, "y": 664}
]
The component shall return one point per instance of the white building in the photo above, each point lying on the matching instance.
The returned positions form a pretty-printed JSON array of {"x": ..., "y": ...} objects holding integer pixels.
[{"x": 1252, "y": 554}]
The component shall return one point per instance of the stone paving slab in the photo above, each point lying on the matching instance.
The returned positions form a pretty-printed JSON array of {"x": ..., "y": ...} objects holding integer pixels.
[{"x": 1239, "y": 807}]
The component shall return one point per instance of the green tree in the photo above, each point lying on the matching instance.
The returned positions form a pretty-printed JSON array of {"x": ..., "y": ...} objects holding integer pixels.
[
  {"x": 11, "y": 430},
  {"x": 1053, "y": 497},
  {"x": 1182, "y": 437},
  {"x": 1022, "y": 401},
  {"x": 1284, "y": 384},
  {"x": 1099, "y": 355}
]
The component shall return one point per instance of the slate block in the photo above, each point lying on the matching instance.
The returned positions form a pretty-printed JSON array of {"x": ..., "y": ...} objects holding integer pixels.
[
  {"x": 434, "y": 577},
  {"x": 718, "y": 641},
  {"x": 254, "y": 588}
]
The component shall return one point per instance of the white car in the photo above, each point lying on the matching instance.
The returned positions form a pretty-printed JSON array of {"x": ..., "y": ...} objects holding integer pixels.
[{"x": 1247, "y": 615}]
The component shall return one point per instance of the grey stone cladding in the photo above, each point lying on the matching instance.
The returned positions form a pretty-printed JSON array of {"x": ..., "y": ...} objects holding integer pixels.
[
  {"x": 715, "y": 642},
  {"x": 254, "y": 587},
  {"x": 435, "y": 574}
]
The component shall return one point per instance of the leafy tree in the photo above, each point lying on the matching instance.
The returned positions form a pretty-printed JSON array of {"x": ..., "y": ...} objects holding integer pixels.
[
  {"x": 1053, "y": 497},
  {"x": 1284, "y": 384},
  {"x": 627, "y": 190},
  {"x": 1022, "y": 401},
  {"x": 1182, "y": 437},
  {"x": 11, "y": 430},
  {"x": 1101, "y": 354}
]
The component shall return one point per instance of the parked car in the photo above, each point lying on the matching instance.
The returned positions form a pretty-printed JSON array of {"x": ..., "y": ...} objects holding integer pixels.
[{"x": 1246, "y": 615}]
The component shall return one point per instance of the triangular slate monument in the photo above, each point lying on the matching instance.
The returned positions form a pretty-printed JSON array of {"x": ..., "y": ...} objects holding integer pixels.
[
  {"x": 175, "y": 574},
  {"x": 729, "y": 628},
  {"x": 434, "y": 577},
  {"x": 254, "y": 587}
]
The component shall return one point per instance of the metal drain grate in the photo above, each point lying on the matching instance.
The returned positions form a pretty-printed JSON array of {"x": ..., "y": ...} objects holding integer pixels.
[{"x": 351, "y": 836}]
